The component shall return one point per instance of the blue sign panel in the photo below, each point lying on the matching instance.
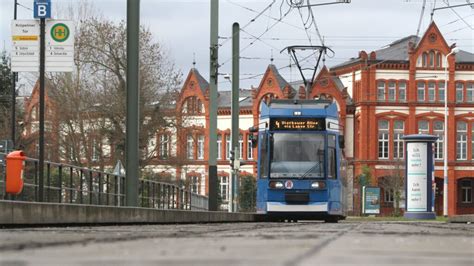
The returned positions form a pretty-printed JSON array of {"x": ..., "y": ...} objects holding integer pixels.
[{"x": 42, "y": 9}]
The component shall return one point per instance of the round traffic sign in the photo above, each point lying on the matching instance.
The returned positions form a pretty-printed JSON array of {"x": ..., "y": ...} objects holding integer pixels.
[{"x": 60, "y": 32}]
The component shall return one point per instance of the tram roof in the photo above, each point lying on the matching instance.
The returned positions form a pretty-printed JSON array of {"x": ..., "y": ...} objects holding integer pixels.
[{"x": 280, "y": 107}]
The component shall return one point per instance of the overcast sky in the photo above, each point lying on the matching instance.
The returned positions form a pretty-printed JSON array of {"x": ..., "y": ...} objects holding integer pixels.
[{"x": 182, "y": 27}]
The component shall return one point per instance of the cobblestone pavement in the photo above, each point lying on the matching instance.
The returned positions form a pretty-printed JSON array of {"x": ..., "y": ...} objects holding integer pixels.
[{"x": 303, "y": 243}]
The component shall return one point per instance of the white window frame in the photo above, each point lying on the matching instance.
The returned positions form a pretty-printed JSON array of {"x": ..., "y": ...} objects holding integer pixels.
[
  {"x": 219, "y": 146},
  {"x": 392, "y": 91},
  {"x": 383, "y": 140},
  {"x": 224, "y": 188},
  {"x": 470, "y": 92},
  {"x": 164, "y": 146},
  {"x": 95, "y": 151},
  {"x": 461, "y": 141},
  {"x": 249, "y": 147},
  {"x": 195, "y": 184},
  {"x": 439, "y": 144},
  {"x": 200, "y": 147},
  {"x": 459, "y": 92},
  {"x": 420, "y": 89},
  {"x": 398, "y": 144},
  {"x": 424, "y": 130},
  {"x": 241, "y": 146},
  {"x": 441, "y": 91},
  {"x": 227, "y": 146},
  {"x": 389, "y": 194},
  {"x": 466, "y": 192},
  {"x": 402, "y": 90},
  {"x": 381, "y": 91},
  {"x": 431, "y": 91},
  {"x": 190, "y": 147}
]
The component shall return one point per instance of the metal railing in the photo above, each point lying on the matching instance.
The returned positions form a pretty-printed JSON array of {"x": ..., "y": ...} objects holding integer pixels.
[{"x": 68, "y": 184}]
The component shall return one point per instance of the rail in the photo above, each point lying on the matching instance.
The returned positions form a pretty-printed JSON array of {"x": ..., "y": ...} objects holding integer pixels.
[{"x": 68, "y": 184}]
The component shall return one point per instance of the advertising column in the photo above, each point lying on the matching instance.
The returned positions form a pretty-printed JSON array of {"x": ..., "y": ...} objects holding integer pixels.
[{"x": 418, "y": 178}]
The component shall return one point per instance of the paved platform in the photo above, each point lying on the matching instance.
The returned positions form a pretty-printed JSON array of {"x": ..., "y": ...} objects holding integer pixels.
[
  {"x": 30, "y": 213},
  {"x": 286, "y": 244},
  {"x": 468, "y": 218}
]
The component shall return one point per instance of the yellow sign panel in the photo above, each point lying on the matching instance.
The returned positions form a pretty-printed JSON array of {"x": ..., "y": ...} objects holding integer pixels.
[{"x": 25, "y": 38}]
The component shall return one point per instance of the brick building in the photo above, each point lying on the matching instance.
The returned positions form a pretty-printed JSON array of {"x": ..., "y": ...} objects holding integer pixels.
[{"x": 381, "y": 96}]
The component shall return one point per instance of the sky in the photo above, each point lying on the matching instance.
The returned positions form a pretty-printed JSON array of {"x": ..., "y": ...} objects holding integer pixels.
[{"x": 183, "y": 29}]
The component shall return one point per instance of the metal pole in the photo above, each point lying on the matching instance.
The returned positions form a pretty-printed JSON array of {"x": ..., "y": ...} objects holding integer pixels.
[
  {"x": 41, "y": 111},
  {"x": 235, "y": 110},
  {"x": 445, "y": 154},
  {"x": 214, "y": 49},
  {"x": 14, "y": 89},
  {"x": 445, "y": 144},
  {"x": 132, "y": 150}
]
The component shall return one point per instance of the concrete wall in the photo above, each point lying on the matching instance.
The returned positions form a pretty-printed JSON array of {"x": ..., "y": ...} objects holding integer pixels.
[{"x": 28, "y": 213}]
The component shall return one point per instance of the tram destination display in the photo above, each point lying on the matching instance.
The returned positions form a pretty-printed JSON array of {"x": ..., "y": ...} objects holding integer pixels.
[{"x": 297, "y": 124}]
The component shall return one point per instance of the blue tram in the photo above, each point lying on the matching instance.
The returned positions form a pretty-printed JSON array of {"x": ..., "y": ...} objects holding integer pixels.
[{"x": 299, "y": 161}]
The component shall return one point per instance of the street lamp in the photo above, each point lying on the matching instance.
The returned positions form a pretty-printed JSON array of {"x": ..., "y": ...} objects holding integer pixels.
[{"x": 445, "y": 186}]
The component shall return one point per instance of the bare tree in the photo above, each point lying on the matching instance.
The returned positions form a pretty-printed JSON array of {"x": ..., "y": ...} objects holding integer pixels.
[
  {"x": 91, "y": 101},
  {"x": 394, "y": 184},
  {"x": 5, "y": 96}
]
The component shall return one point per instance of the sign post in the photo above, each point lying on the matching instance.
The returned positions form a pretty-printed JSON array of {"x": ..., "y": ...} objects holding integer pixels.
[
  {"x": 419, "y": 176},
  {"x": 42, "y": 10}
]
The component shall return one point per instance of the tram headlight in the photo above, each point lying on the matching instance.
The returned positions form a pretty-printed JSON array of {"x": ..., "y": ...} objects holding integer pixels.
[
  {"x": 276, "y": 184},
  {"x": 318, "y": 185}
]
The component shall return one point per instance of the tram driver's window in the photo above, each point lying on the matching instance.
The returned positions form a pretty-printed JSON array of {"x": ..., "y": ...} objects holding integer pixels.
[{"x": 331, "y": 156}]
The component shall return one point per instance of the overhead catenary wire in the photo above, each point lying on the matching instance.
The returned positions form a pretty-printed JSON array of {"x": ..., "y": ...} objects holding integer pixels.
[
  {"x": 457, "y": 14},
  {"x": 259, "y": 36}
]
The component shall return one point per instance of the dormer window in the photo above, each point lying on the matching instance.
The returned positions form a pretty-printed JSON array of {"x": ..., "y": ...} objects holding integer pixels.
[
  {"x": 431, "y": 59},
  {"x": 193, "y": 105}
]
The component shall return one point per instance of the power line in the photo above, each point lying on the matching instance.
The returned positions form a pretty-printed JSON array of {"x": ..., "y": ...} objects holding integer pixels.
[
  {"x": 259, "y": 36},
  {"x": 24, "y": 6}
]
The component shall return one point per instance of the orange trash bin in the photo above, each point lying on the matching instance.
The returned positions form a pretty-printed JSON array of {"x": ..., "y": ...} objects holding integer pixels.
[{"x": 15, "y": 167}]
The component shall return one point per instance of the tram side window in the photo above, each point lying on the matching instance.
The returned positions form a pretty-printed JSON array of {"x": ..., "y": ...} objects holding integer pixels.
[
  {"x": 263, "y": 156},
  {"x": 331, "y": 156}
]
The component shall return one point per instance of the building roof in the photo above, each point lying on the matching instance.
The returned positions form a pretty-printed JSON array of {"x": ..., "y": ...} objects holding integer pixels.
[
  {"x": 281, "y": 81},
  {"x": 398, "y": 51},
  {"x": 225, "y": 98},
  {"x": 464, "y": 57},
  {"x": 202, "y": 82}
]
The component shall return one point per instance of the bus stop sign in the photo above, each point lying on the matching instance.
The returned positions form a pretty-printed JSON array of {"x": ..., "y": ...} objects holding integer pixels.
[{"x": 42, "y": 9}]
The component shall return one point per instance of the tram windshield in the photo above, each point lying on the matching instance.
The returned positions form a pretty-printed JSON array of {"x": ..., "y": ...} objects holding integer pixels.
[{"x": 297, "y": 155}]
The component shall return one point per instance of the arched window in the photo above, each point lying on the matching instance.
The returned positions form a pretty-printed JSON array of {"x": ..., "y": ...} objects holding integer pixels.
[
  {"x": 432, "y": 58},
  {"x": 424, "y": 60},
  {"x": 439, "y": 58},
  {"x": 193, "y": 105}
]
